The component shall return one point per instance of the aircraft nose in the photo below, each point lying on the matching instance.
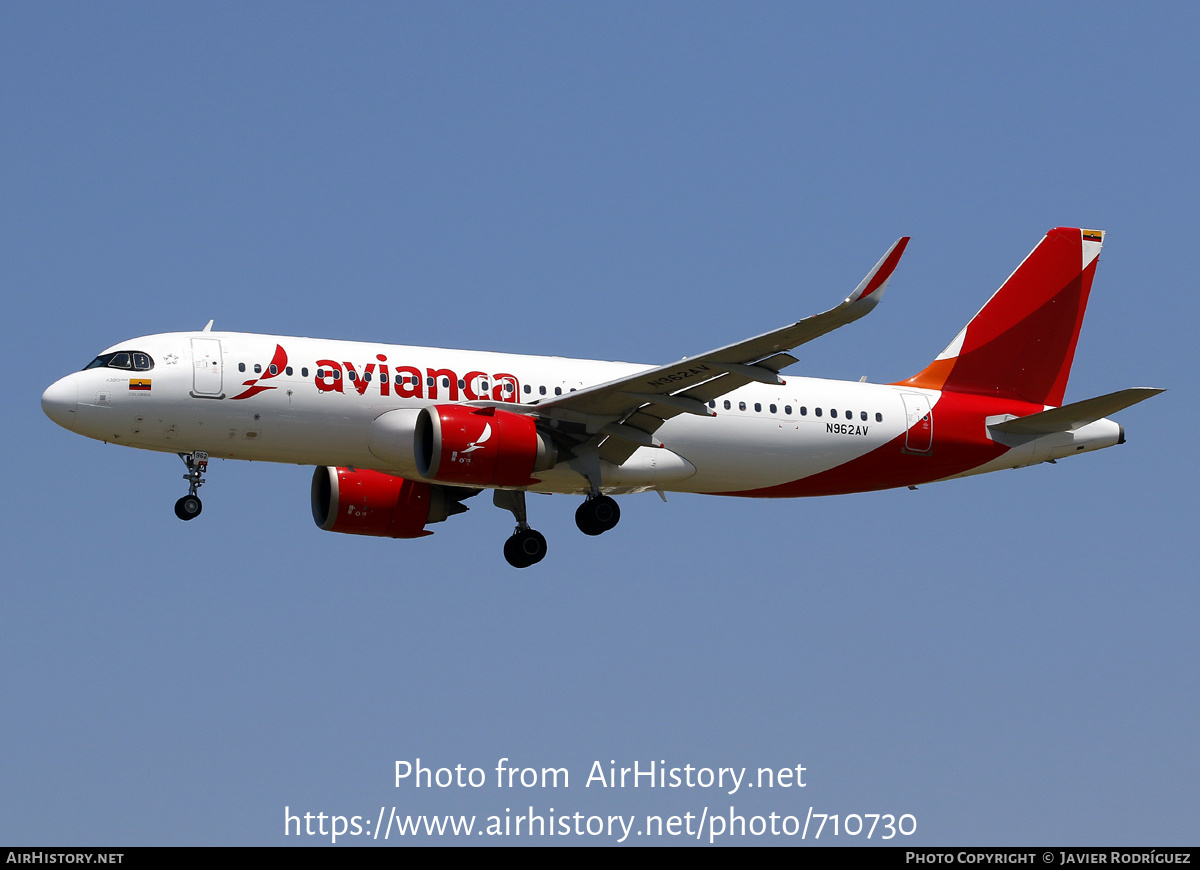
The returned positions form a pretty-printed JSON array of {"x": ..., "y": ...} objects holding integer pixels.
[{"x": 59, "y": 402}]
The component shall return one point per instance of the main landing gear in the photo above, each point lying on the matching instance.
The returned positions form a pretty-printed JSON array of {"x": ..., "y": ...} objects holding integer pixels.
[
  {"x": 597, "y": 515},
  {"x": 189, "y": 507},
  {"x": 525, "y": 546}
]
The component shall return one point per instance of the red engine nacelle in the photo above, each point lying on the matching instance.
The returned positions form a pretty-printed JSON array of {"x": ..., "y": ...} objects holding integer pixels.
[
  {"x": 480, "y": 446},
  {"x": 360, "y": 502}
]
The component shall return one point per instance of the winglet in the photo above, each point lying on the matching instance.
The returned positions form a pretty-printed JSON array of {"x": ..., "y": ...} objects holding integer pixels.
[
  {"x": 876, "y": 281},
  {"x": 207, "y": 327}
]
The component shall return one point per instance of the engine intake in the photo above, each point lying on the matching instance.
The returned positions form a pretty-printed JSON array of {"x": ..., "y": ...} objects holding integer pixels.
[
  {"x": 362, "y": 502},
  {"x": 480, "y": 446}
]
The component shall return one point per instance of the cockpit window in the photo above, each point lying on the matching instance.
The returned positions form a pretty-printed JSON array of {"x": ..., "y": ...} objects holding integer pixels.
[{"x": 122, "y": 359}]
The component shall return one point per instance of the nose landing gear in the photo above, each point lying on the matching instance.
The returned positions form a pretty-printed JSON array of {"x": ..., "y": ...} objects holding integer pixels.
[{"x": 189, "y": 507}]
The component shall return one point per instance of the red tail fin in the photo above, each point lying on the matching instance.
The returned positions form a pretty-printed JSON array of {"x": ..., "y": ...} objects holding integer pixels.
[{"x": 1021, "y": 345}]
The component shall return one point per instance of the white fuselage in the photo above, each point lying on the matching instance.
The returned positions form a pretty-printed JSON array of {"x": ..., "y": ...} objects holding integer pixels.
[{"x": 215, "y": 392}]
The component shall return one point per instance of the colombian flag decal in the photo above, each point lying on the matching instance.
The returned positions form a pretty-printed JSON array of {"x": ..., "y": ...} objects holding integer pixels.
[
  {"x": 139, "y": 383},
  {"x": 1093, "y": 236}
]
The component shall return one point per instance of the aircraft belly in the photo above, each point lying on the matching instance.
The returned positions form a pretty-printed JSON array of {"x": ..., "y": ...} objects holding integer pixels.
[
  {"x": 290, "y": 437},
  {"x": 736, "y": 454},
  {"x": 270, "y": 428},
  {"x": 1050, "y": 447},
  {"x": 648, "y": 468}
]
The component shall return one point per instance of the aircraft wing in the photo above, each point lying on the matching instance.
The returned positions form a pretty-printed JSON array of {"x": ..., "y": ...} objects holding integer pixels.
[{"x": 630, "y": 409}]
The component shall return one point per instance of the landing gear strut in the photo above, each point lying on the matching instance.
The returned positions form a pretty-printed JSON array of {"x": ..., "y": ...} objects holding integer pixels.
[
  {"x": 525, "y": 546},
  {"x": 597, "y": 515},
  {"x": 189, "y": 507}
]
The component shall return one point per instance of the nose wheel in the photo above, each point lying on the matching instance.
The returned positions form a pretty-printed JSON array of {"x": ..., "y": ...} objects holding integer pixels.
[
  {"x": 597, "y": 515},
  {"x": 189, "y": 507}
]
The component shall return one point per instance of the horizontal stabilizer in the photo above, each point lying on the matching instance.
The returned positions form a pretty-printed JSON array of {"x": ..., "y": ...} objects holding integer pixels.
[{"x": 1076, "y": 415}]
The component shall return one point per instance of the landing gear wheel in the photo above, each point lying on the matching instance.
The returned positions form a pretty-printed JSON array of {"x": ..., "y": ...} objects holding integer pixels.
[
  {"x": 188, "y": 507},
  {"x": 597, "y": 515},
  {"x": 525, "y": 547}
]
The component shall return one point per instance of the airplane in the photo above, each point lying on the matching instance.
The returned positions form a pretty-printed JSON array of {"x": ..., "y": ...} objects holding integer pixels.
[{"x": 401, "y": 436}]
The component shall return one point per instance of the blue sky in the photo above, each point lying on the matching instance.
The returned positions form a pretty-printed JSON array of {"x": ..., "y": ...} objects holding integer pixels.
[{"x": 1011, "y": 659}]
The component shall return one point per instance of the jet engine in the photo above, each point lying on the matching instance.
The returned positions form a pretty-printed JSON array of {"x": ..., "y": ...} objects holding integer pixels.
[
  {"x": 361, "y": 502},
  {"x": 480, "y": 446}
]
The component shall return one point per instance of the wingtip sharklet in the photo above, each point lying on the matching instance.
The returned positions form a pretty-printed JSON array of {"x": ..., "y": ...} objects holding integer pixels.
[{"x": 876, "y": 280}]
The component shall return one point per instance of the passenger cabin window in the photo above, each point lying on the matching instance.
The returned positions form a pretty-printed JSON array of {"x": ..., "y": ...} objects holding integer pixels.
[{"x": 122, "y": 359}]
